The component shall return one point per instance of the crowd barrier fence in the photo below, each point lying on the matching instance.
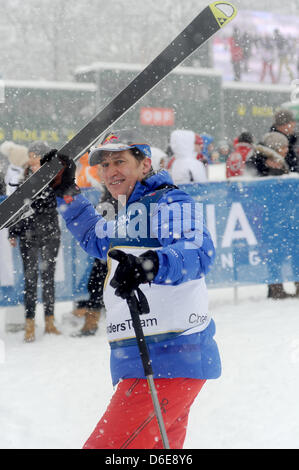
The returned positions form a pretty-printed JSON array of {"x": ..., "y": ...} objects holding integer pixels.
[{"x": 253, "y": 223}]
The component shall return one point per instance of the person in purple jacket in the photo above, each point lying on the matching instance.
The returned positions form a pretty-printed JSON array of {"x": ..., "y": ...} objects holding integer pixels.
[{"x": 159, "y": 242}]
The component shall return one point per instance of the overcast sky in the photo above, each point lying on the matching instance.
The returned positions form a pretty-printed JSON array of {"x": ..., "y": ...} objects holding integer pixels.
[{"x": 49, "y": 39}]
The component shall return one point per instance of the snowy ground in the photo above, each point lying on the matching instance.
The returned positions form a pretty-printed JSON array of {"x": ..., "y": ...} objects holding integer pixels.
[{"x": 54, "y": 390}]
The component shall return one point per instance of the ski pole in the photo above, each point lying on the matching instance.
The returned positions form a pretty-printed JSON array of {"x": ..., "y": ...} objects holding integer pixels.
[{"x": 137, "y": 307}]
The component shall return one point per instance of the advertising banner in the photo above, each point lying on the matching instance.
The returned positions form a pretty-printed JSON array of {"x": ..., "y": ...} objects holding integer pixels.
[{"x": 254, "y": 226}]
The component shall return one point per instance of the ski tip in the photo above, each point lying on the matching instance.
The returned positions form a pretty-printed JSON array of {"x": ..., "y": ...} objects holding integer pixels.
[{"x": 224, "y": 12}]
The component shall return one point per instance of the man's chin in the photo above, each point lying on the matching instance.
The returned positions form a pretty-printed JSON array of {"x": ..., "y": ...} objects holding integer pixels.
[{"x": 117, "y": 194}]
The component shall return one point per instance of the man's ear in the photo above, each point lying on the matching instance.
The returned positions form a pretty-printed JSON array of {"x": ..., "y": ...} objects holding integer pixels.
[{"x": 147, "y": 164}]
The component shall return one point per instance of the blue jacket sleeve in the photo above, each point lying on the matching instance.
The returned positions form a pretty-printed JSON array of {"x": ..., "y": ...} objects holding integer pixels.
[
  {"x": 187, "y": 251},
  {"x": 85, "y": 224}
]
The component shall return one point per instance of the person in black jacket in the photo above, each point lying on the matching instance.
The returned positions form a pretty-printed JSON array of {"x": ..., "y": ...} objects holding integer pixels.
[
  {"x": 269, "y": 157},
  {"x": 285, "y": 123},
  {"x": 3, "y": 167},
  {"x": 2, "y": 184},
  {"x": 39, "y": 237},
  {"x": 91, "y": 308}
]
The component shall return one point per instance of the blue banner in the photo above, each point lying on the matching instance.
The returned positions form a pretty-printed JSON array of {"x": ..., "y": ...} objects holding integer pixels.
[{"x": 254, "y": 226}]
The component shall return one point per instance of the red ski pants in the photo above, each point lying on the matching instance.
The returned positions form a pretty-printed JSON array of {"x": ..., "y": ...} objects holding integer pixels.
[{"x": 130, "y": 422}]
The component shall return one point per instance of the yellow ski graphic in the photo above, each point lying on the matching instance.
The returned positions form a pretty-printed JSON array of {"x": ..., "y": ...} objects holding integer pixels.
[{"x": 223, "y": 12}]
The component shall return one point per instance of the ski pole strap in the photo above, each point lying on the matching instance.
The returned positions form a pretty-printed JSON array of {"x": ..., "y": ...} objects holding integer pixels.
[{"x": 138, "y": 306}]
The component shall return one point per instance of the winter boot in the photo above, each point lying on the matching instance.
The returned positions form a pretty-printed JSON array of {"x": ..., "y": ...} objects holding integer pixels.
[
  {"x": 91, "y": 323},
  {"x": 80, "y": 309},
  {"x": 29, "y": 336},
  {"x": 50, "y": 327},
  {"x": 276, "y": 292}
]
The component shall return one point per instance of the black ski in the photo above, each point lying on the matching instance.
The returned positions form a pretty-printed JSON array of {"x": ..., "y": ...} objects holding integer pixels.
[{"x": 202, "y": 28}]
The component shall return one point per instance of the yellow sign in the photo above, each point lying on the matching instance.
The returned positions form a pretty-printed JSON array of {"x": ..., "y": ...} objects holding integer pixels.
[
  {"x": 29, "y": 135},
  {"x": 242, "y": 110},
  {"x": 262, "y": 111}
]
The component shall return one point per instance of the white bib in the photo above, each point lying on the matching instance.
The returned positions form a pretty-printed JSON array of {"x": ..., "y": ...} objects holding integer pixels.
[{"x": 181, "y": 309}]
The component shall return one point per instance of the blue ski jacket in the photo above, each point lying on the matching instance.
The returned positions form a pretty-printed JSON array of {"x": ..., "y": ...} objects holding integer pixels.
[{"x": 179, "y": 331}]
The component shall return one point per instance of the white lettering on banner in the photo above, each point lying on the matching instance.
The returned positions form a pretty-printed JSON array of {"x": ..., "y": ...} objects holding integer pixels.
[
  {"x": 254, "y": 258},
  {"x": 211, "y": 222},
  {"x": 227, "y": 260},
  {"x": 237, "y": 216}
]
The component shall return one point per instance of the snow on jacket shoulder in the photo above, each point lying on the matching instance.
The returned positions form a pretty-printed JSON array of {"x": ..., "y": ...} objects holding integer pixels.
[{"x": 186, "y": 169}]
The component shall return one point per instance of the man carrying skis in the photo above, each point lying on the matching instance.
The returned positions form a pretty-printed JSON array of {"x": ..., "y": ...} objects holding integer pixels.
[{"x": 165, "y": 250}]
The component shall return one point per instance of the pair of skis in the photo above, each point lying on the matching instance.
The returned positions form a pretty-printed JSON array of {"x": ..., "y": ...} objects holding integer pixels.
[{"x": 17, "y": 205}]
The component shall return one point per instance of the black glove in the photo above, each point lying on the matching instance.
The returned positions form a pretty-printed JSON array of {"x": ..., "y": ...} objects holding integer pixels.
[
  {"x": 64, "y": 182},
  {"x": 45, "y": 201},
  {"x": 133, "y": 271}
]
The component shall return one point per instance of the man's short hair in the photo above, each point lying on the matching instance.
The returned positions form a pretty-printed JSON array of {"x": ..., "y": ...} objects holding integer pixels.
[{"x": 283, "y": 117}]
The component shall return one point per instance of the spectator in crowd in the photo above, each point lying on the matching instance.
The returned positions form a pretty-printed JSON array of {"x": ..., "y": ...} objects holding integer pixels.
[
  {"x": 3, "y": 162},
  {"x": 18, "y": 159},
  {"x": 223, "y": 151},
  {"x": 2, "y": 175},
  {"x": 185, "y": 168},
  {"x": 91, "y": 308},
  {"x": 246, "y": 44},
  {"x": 208, "y": 146},
  {"x": 269, "y": 160},
  {"x": 39, "y": 235},
  {"x": 199, "y": 148},
  {"x": 159, "y": 159},
  {"x": 3, "y": 169},
  {"x": 2, "y": 185},
  {"x": 268, "y": 56},
  {"x": 285, "y": 123},
  {"x": 235, "y": 162},
  {"x": 283, "y": 50},
  {"x": 199, "y": 145},
  {"x": 87, "y": 176},
  {"x": 236, "y": 50},
  {"x": 170, "y": 158}
]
